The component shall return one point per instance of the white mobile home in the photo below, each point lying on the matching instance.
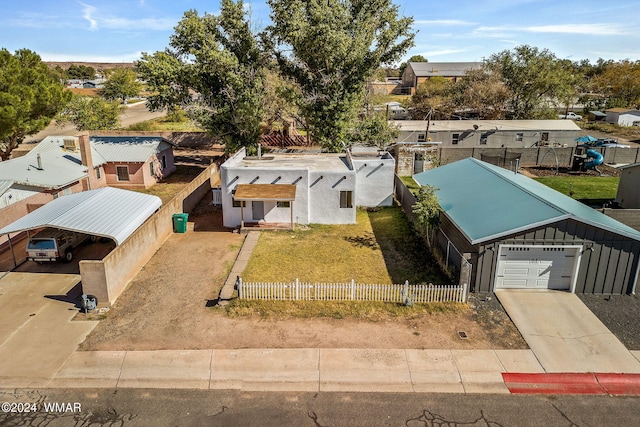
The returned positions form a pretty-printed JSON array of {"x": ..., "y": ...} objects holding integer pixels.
[{"x": 288, "y": 189}]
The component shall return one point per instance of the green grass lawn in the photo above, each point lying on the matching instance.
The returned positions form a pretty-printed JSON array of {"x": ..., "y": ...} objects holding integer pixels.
[
  {"x": 411, "y": 184},
  {"x": 171, "y": 185},
  {"x": 381, "y": 248},
  {"x": 163, "y": 124},
  {"x": 583, "y": 187}
]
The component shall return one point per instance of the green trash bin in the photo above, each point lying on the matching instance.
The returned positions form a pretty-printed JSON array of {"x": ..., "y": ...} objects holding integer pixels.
[{"x": 180, "y": 222}]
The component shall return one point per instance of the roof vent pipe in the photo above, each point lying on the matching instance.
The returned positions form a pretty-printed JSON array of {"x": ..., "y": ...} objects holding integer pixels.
[{"x": 39, "y": 159}]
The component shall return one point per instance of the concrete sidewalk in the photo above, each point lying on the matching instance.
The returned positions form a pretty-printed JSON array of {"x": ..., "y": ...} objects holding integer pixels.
[
  {"x": 350, "y": 370},
  {"x": 239, "y": 265}
]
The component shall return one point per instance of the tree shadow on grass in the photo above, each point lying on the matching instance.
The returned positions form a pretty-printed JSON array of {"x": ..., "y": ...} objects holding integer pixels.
[{"x": 405, "y": 254}]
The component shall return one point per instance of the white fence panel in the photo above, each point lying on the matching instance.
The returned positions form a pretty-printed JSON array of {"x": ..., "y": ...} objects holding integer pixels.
[{"x": 351, "y": 291}]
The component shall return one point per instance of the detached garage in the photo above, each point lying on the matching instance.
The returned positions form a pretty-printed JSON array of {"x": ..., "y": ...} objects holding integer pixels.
[{"x": 519, "y": 234}]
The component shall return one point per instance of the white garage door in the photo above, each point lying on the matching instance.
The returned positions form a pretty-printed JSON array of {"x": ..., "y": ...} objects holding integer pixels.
[{"x": 536, "y": 267}]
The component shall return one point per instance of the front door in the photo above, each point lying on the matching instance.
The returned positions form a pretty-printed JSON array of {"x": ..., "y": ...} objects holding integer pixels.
[{"x": 258, "y": 211}]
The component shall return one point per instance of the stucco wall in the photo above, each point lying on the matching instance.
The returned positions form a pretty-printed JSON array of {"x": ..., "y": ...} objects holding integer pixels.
[
  {"x": 107, "y": 278},
  {"x": 374, "y": 180},
  {"x": 136, "y": 175}
]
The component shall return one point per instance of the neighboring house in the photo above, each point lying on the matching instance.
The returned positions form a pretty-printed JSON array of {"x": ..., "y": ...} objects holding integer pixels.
[
  {"x": 419, "y": 72},
  {"x": 628, "y": 196},
  {"x": 520, "y": 234},
  {"x": 489, "y": 133},
  {"x": 41, "y": 176},
  {"x": 128, "y": 162},
  {"x": 135, "y": 162},
  {"x": 597, "y": 116},
  {"x": 288, "y": 189},
  {"x": 623, "y": 116}
]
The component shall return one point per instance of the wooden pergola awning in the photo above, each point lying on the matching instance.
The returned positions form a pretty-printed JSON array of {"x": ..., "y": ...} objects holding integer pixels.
[{"x": 272, "y": 192}]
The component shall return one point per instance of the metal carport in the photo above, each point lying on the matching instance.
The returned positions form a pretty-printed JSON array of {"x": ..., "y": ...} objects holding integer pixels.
[{"x": 106, "y": 212}]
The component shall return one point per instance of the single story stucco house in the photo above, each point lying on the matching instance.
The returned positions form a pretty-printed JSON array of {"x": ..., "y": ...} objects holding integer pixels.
[{"x": 290, "y": 189}]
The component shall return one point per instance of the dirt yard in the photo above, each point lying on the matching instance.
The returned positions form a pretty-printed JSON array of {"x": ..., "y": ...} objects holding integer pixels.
[
  {"x": 542, "y": 171},
  {"x": 170, "y": 305}
]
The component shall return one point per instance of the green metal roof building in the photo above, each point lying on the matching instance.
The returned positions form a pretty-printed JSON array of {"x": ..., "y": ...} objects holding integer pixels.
[{"x": 518, "y": 233}]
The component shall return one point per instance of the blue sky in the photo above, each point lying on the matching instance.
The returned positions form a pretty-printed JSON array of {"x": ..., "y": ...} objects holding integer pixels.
[{"x": 462, "y": 30}]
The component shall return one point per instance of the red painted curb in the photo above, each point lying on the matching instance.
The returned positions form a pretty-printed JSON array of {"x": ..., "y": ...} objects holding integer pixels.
[
  {"x": 620, "y": 384},
  {"x": 571, "y": 383}
]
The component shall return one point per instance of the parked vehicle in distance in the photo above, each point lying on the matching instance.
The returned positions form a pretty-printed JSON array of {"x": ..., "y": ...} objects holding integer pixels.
[
  {"x": 571, "y": 116},
  {"x": 52, "y": 244}
]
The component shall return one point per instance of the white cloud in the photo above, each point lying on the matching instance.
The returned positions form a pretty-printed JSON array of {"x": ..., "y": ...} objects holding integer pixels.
[
  {"x": 137, "y": 24},
  {"x": 87, "y": 13},
  {"x": 589, "y": 29},
  {"x": 450, "y": 22},
  {"x": 429, "y": 54},
  {"x": 78, "y": 57},
  {"x": 602, "y": 29}
]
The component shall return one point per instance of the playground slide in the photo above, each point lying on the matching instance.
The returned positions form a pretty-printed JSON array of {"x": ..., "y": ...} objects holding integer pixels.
[{"x": 596, "y": 159}]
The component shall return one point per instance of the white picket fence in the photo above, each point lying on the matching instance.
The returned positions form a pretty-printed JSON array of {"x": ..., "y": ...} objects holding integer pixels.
[{"x": 352, "y": 291}]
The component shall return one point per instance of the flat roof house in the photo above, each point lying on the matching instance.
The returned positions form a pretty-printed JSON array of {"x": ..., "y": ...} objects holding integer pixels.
[
  {"x": 520, "y": 234},
  {"x": 287, "y": 189}
]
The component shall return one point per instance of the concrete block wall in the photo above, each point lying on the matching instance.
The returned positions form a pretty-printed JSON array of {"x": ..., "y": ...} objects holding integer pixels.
[{"x": 107, "y": 278}]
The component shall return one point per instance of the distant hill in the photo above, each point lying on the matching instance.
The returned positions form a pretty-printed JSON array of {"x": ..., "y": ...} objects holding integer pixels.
[{"x": 96, "y": 65}]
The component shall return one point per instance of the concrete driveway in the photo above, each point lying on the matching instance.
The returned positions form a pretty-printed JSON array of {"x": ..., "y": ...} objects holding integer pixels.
[
  {"x": 564, "y": 334},
  {"x": 37, "y": 335}
]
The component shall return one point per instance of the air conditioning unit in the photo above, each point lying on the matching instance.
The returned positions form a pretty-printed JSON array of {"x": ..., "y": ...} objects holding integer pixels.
[{"x": 71, "y": 144}]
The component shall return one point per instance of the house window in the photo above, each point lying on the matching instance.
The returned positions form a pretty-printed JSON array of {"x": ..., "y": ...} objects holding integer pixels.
[
  {"x": 286, "y": 204},
  {"x": 151, "y": 171},
  {"x": 455, "y": 138},
  {"x": 483, "y": 138},
  {"x": 123, "y": 173},
  {"x": 346, "y": 199},
  {"x": 422, "y": 137},
  {"x": 238, "y": 203},
  {"x": 164, "y": 161},
  {"x": 98, "y": 174},
  {"x": 519, "y": 136},
  {"x": 55, "y": 195}
]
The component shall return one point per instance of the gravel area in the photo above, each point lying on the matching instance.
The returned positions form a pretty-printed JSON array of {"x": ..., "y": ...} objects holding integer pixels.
[{"x": 619, "y": 313}]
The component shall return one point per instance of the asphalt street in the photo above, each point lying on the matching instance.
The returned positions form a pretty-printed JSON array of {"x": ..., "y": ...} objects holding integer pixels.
[{"x": 147, "y": 407}]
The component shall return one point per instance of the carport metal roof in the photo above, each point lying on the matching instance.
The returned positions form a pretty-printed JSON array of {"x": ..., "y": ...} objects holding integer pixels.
[{"x": 107, "y": 212}]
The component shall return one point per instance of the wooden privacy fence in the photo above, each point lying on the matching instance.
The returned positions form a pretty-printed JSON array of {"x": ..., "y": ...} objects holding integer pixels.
[{"x": 351, "y": 291}]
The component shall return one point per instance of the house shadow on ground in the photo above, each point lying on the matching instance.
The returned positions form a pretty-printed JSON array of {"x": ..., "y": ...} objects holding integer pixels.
[{"x": 405, "y": 254}]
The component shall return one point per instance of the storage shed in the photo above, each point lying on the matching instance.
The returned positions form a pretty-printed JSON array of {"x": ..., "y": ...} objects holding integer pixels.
[{"x": 520, "y": 234}]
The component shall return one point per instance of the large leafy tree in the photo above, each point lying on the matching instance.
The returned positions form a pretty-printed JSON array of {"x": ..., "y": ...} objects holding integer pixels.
[
  {"x": 81, "y": 71},
  {"x": 330, "y": 48},
  {"x": 30, "y": 97},
  {"x": 375, "y": 130},
  {"x": 536, "y": 78},
  {"x": 620, "y": 84},
  {"x": 483, "y": 93},
  {"x": 91, "y": 113},
  {"x": 433, "y": 99},
  {"x": 214, "y": 69},
  {"x": 122, "y": 84}
]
